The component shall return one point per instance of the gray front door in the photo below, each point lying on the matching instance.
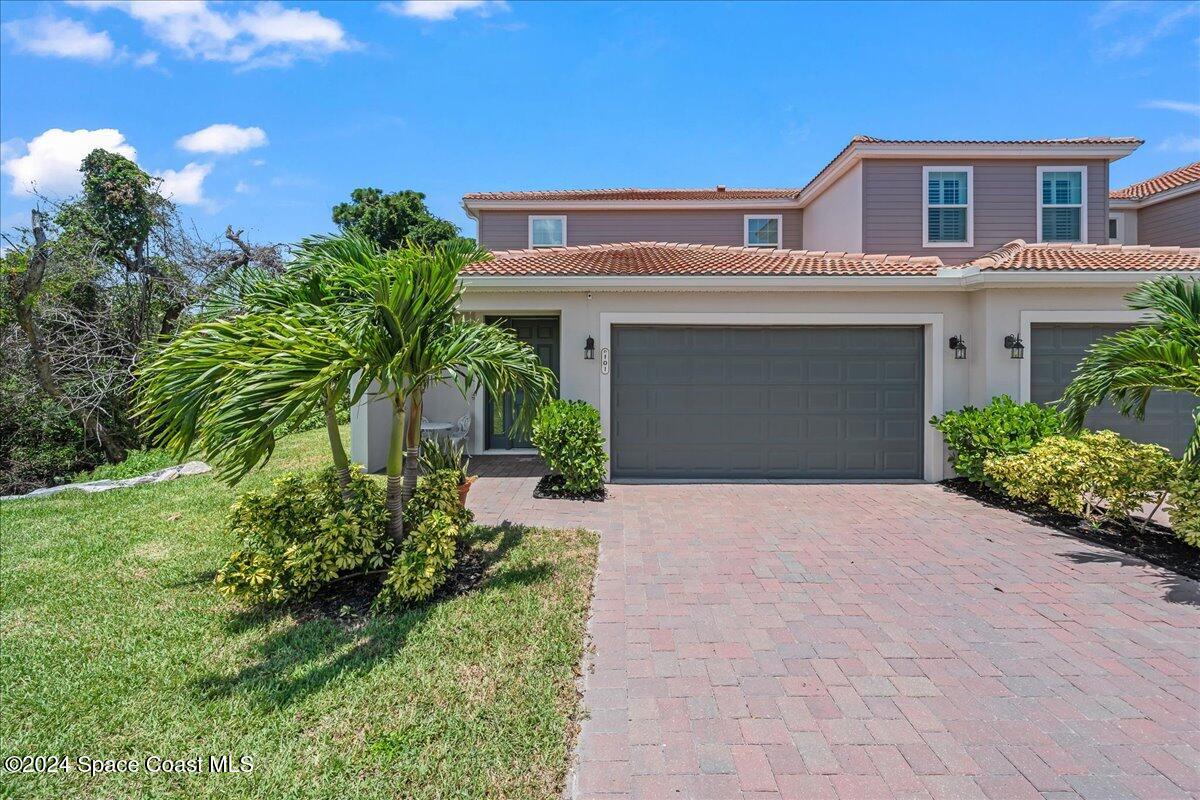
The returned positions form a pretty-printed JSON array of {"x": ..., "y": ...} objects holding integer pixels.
[
  {"x": 1056, "y": 349},
  {"x": 542, "y": 334},
  {"x": 767, "y": 402}
]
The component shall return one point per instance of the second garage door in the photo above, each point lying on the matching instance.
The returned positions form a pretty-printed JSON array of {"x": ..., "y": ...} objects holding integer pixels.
[{"x": 767, "y": 402}]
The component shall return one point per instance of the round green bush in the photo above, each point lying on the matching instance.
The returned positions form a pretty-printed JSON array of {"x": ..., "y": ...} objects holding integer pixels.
[
  {"x": 567, "y": 434},
  {"x": 1001, "y": 428}
]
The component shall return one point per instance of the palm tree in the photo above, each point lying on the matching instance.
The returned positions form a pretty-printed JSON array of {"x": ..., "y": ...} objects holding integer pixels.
[
  {"x": 415, "y": 336},
  {"x": 1161, "y": 355}
]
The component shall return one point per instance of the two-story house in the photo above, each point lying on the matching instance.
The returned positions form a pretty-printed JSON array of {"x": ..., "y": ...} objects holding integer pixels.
[{"x": 810, "y": 333}]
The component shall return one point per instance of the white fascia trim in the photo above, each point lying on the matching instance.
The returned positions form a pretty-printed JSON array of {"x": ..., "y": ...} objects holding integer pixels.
[
  {"x": 1029, "y": 316},
  {"x": 746, "y": 230},
  {"x": 970, "y": 205},
  {"x": 934, "y": 355},
  {"x": 1169, "y": 194},
  {"x": 861, "y": 150},
  {"x": 622, "y": 205},
  {"x": 1083, "y": 198}
]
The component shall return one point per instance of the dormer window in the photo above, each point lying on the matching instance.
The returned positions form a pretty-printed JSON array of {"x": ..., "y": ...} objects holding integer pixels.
[
  {"x": 949, "y": 194},
  {"x": 763, "y": 230},
  {"x": 1062, "y": 204},
  {"x": 547, "y": 231}
]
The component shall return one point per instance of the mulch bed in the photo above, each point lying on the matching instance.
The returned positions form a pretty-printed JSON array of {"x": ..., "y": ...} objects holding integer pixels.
[
  {"x": 550, "y": 487},
  {"x": 350, "y": 599},
  {"x": 1157, "y": 545}
]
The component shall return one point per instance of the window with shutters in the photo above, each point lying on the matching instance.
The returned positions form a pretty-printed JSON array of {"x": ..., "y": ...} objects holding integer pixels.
[
  {"x": 1062, "y": 204},
  {"x": 948, "y": 201}
]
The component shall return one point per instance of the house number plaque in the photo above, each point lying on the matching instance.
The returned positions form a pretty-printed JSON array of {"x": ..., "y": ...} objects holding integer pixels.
[{"x": 604, "y": 361}]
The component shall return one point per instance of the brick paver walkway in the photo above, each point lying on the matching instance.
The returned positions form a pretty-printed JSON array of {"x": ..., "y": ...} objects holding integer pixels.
[{"x": 870, "y": 641}]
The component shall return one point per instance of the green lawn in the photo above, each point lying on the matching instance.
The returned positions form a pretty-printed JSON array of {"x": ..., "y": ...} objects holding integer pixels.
[{"x": 114, "y": 644}]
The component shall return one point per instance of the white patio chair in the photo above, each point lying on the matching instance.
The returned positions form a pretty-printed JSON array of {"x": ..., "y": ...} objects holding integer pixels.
[{"x": 458, "y": 431}]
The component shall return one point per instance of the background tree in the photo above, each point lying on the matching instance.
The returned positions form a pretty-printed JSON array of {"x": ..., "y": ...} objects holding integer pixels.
[
  {"x": 1162, "y": 355},
  {"x": 392, "y": 219},
  {"x": 91, "y": 287}
]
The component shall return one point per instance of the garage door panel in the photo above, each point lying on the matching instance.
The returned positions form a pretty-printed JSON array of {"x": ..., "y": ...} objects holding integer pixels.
[
  {"x": 762, "y": 403},
  {"x": 1055, "y": 350}
]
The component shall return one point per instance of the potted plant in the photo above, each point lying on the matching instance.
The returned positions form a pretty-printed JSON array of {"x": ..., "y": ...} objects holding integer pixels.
[{"x": 439, "y": 455}]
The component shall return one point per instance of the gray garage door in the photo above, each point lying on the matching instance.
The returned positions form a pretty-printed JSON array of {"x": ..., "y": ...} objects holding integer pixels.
[
  {"x": 1056, "y": 349},
  {"x": 767, "y": 403}
]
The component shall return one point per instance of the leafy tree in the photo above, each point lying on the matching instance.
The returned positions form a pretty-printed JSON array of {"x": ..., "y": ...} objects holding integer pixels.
[
  {"x": 392, "y": 219},
  {"x": 1162, "y": 355},
  {"x": 94, "y": 285}
]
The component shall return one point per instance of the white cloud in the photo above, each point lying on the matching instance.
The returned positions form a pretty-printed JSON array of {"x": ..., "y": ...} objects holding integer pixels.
[
  {"x": 441, "y": 10},
  {"x": 244, "y": 188},
  {"x": 1181, "y": 143},
  {"x": 186, "y": 186},
  {"x": 223, "y": 138},
  {"x": 1174, "y": 105},
  {"x": 146, "y": 59},
  {"x": 266, "y": 34},
  {"x": 62, "y": 38},
  {"x": 50, "y": 162},
  {"x": 1140, "y": 25}
]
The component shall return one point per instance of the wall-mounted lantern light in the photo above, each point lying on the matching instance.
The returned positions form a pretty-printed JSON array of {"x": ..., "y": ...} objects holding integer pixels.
[
  {"x": 1016, "y": 348},
  {"x": 589, "y": 349},
  {"x": 959, "y": 345}
]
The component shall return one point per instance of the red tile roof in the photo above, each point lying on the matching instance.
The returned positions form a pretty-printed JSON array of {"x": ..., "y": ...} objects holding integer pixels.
[
  {"x": 1172, "y": 179},
  {"x": 641, "y": 259},
  {"x": 1020, "y": 255},
  {"x": 715, "y": 193},
  {"x": 1017, "y": 142}
]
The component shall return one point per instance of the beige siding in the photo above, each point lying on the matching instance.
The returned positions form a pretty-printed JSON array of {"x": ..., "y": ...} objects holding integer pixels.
[
  {"x": 1171, "y": 222},
  {"x": 1005, "y": 205},
  {"x": 509, "y": 230}
]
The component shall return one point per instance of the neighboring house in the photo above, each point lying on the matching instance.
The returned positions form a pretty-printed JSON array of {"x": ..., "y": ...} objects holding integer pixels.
[
  {"x": 1164, "y": 209},
  {"x": 764, "y": 334}
]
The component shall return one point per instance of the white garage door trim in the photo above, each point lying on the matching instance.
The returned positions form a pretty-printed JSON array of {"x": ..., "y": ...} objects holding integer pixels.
[
  {"x": 935, "y": 352},
  {"x": 1029, "y": 316}
]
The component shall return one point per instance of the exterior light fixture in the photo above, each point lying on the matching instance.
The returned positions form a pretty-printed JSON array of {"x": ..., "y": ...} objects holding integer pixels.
[
  {"x": 589, "y": 349},
  {"x": 959, "y": 345},
  {"x": 1016, "y": 348}
]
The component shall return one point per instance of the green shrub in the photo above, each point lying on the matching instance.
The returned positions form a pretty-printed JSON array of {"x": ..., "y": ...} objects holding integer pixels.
[
  {"x": 41, "y": 444},
  {"x": 437, "y": 492},
  {"x": 301, "y": 535},
  {"x": 567, "y": 435},
  {"x": 425, "y": 559},
  {"x": 1096, "y": 472},
  {"x": 1185, "y": 504},
  {"x": 136, "y": 463},
  {"x": 439, "y": 454},
  {"x": 1001, "y": 428}
]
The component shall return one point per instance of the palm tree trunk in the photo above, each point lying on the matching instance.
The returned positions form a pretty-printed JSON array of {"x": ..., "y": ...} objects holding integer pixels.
[
  {"x": 340, "y": 461},
  {"x": 395, "y": 478},
  {"x": 412, "y": 436}
]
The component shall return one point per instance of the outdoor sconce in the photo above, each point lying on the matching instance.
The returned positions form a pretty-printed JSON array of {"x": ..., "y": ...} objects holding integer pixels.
[
  {"x": 1016, "y": 348},
  {"x": 959, "y": 345},
  {"x": 589, "y": 349}
]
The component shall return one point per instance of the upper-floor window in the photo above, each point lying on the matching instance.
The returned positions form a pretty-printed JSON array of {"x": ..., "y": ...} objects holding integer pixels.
[
  {"x": 547, "y": 231},
  {"x": 949, "y": 206},
  {"x": 1116, "y": 229},
  {"x": 763, "y": 230},
  {"x": 1062, "y": 204}
]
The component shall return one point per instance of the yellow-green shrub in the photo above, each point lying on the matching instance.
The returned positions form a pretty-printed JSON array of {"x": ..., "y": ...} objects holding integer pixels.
[
  {"x": 1096, "y": 472},
  {"x": 426, "y": 558},
  {"x": 437, "y": 491},
  {"x": 1185, "y": 504},
  {"x": 301, "y": 535}
]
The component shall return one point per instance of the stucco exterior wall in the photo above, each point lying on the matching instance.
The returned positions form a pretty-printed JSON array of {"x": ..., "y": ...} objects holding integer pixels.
[
  {"x": 983, "y": 316},
  {"x": 509, "y": 230},
  {"x": 833, "y": 221}
]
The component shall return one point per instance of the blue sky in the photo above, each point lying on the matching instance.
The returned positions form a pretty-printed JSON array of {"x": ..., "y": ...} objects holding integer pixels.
[{"x": 453, "y": 97}]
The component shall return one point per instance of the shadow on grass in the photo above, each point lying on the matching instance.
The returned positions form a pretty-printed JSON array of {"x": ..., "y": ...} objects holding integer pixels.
[
  {"x": 295, "y": 662},
  {"x": 1177, "y": 588}
]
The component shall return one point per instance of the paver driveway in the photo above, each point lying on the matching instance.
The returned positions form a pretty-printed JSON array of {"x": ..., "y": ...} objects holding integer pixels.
[{"x": 870, "y": 641}]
